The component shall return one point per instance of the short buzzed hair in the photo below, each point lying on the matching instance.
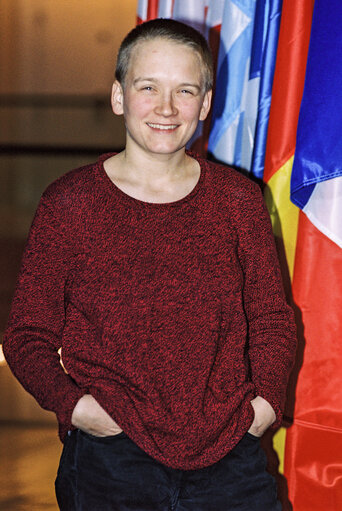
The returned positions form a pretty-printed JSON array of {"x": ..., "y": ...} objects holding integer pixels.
[{"x": 171, "y": 30}]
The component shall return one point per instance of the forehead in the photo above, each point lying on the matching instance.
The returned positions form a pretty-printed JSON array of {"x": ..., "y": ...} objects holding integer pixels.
[{"x": 161, "y": 52}]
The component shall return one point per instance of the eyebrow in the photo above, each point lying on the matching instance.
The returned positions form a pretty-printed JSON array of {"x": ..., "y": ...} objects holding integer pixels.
[{"x": 153, "y": 80}]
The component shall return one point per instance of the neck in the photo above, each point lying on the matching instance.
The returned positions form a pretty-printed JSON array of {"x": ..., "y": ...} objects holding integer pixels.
[
  {"x": 154, "y": 179},
  {"x": 149, "y": 167}
]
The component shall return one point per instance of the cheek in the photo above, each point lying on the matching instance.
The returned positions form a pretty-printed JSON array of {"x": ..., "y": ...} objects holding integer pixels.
[
  {"x": 191, "y": 112},
  {"x": 138, "y": 107}
]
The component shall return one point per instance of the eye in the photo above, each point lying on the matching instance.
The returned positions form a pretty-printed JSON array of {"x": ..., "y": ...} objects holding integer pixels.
[
  {"x": 147, "y": 88},
  {"x": 186, "y": 91}
]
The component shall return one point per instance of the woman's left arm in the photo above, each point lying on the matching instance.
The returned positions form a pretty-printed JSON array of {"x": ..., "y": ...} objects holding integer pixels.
[{"x": 271, "y": 326}]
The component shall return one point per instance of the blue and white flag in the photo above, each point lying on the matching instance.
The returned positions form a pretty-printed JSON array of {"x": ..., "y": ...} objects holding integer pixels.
[{"x": 249, "y": 37}]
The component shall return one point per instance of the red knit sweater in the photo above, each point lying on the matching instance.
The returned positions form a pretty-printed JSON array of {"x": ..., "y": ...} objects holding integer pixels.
[{"x": 171, "y": 315}]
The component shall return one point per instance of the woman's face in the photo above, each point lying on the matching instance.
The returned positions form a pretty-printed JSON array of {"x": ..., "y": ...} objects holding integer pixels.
[{"x": 163, "y": 98}]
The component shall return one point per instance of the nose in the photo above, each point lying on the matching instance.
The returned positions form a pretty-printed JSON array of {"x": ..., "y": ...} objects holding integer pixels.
[{"x": 166, "y": 105}]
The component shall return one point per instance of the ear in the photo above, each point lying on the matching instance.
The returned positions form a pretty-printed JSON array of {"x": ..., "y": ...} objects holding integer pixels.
[
  {"x": 117, "y": 98},
  {"x": 205, "y": 105}
]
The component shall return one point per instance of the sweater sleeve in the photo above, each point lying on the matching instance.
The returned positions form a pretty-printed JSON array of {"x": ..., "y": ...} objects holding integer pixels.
[
  {"x": 36, "y": 321},
  {"x": 271, "y": 325}
]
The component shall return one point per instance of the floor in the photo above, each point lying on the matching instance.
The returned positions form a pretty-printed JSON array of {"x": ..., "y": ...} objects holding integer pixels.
[{"x": 29, "y": 459}]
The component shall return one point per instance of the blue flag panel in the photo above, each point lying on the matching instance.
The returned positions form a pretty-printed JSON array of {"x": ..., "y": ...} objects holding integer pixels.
[{"x": 318, "y": 155}]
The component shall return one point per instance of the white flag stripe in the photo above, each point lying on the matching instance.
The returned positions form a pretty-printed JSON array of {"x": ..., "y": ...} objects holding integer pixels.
[
  {"x": 215, "y": 13},
  {"x": 225, "y": 148},
  {"x": 165, "y": 8},
  {"x": 142, "y": 9},
  {"x": 191, "y": 12},
  {"x": 324, "y": 209}
]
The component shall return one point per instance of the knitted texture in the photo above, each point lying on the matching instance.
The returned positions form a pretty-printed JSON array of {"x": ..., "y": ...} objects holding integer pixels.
[{"x": 171, "y": 315}]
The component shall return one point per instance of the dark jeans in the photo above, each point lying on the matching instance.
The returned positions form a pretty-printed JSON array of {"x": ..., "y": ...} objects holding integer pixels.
[{"x": 113, "y": 473}]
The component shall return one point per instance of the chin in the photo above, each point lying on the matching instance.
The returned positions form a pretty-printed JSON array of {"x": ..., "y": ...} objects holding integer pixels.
[{"x": 165, "y": 149}]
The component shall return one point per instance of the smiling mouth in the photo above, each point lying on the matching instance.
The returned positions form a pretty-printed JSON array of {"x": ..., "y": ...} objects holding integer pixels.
[{"x": 164, "y": 127}]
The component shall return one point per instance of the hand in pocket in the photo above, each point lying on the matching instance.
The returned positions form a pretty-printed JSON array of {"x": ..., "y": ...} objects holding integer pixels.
[
  {"x": 264, "y": 416},
  {"x": 90, "y": 417}
]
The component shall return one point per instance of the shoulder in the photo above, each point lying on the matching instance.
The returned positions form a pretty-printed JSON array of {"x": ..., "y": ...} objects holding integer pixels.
[
  {"x": 227, "y": 182},
  {"x": 74, "y": 183},
  {"x": 74, "y": 198},
  {"x": 78, "y": 186}
]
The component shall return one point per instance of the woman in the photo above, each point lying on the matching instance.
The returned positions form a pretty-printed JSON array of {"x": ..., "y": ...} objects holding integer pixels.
[{"x": 155, "y": 272}]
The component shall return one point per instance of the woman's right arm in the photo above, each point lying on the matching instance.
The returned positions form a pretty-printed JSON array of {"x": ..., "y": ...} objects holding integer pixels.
[{"x": 36, "y": 321}]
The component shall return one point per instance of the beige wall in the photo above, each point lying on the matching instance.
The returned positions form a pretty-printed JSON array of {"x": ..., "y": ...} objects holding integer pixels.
[
  {"x": 49, "y": 47},
  {"x": 60, "y": 47},
  {"x": 64, "y": 46}
]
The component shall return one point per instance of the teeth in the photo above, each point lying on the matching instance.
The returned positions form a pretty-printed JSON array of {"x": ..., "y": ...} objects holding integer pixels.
[{"x": 162, "y": 126}]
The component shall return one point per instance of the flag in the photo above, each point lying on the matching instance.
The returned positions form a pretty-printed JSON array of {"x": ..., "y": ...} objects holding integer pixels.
[
  {"x": 230, "y": 121},
  {"x": 313, "y": 456},
  {"x": 165, "y": 9},
  {"x": 287, "y": 93},
  {"x": 147, "y": 10},
  {"x": 264, "y": 51},
  {"x": 316, "y": 182},
  {"x": 192, "y": 12},
  {"x": 246, "y": 62},
  {"x": 310, "y": 233}
]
